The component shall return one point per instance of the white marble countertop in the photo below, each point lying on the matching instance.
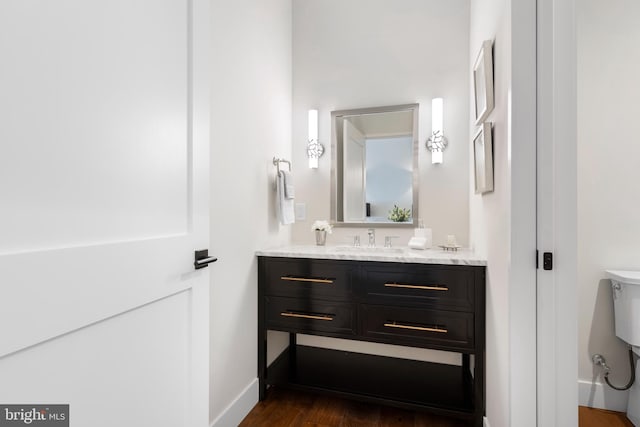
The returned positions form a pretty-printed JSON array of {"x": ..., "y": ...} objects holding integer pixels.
[{"x": 395, "y": 254}]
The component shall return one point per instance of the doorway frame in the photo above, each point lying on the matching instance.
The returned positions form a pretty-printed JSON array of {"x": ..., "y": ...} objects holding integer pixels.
[
  {"x": 557, "y": 329},
  {"x": 543, "y": 311}
]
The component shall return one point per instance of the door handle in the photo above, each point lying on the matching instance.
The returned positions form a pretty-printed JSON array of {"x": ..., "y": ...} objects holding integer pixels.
[{"x": 202, "y": 259}]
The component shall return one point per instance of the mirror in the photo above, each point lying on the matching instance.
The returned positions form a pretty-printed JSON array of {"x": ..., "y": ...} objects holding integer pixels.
[{"x": 374, "y": 166}]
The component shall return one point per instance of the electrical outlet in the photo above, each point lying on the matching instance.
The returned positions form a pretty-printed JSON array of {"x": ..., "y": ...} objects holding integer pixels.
[{"x": 301, "y": 211}]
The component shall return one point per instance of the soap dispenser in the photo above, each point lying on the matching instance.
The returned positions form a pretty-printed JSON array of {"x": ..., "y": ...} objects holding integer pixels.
[{"x": 422, "y": 237}]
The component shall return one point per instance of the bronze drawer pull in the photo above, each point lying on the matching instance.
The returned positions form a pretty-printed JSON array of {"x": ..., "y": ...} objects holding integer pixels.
[
  {"x": 307, "y": 316},
  {"x": 417, "y": 328},
  {"x": 428, "y": 288},
  {"x": 306, "y": 279}
]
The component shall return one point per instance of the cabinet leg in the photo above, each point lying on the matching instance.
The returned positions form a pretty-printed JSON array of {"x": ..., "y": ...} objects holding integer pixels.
[
  {"x": 480, "y": 391},
  {"x": 262, "y": 361},
  {"x": 293, "y": 343},
  {"x": 262, "y": 389}
]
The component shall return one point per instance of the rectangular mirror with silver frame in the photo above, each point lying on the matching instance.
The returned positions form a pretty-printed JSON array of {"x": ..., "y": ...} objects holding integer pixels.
[{"x": 374, "y": 166}]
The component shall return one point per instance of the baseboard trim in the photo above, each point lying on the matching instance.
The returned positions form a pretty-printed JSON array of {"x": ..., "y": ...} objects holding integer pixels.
[
  {"x": 600, "y": 396},
  {"x": 239, "y": 408},
  {"x": 485, "y": 422}
]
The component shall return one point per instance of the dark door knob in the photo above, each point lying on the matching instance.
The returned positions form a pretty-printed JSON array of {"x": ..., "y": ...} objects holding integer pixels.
[{"x": 202, "y": 259}]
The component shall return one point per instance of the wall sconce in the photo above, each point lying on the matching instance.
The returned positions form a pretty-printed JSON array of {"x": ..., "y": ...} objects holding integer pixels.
[
  {"x": 437, "y": 142},
  {"x": 315, "y": 150}
]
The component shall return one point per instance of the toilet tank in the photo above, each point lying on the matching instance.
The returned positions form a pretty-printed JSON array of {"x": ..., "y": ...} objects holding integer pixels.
[{"x": 626, "y": 303}]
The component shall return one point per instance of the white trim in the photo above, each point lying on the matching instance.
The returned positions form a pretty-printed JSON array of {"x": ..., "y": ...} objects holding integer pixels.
[
  {"x": 557, "y": 213},
  {"x": 485, "y": 422},
  {"x": 199, "y": 211},
  {"x": 597, "y": 395},
  {"x": 239, "y": 408},
  {"x": 521, "y": 110}
]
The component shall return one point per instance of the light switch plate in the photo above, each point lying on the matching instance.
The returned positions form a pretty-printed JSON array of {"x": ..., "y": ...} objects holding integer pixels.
[{"x": 301, "y": 211}]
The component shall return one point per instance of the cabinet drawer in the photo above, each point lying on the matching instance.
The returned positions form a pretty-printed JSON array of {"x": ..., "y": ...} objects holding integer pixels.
[
  {"x": 421, "y": 327},
  {"x": 306, "y": 278},
  {"x": 296, "y": 315},
  {"x": 438, "y": 287}
]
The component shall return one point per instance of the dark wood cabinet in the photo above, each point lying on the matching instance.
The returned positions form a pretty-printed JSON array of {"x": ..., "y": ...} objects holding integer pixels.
[{"x": 432, "y": 306}]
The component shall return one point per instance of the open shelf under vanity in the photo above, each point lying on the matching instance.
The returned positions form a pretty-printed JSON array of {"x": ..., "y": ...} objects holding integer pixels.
[{"x": 403, "y": 383}]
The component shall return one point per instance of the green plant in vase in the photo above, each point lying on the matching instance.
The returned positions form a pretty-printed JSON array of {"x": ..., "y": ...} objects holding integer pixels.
[{"x": 399, "y": 214}]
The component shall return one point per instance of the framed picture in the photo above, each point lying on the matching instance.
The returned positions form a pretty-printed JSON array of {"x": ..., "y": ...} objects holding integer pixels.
[
  {"x": 483, "y": 82},
  {"x": 483, "y": 159}
]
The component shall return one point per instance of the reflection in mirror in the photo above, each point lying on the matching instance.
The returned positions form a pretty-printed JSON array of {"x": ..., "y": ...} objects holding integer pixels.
[{"x": 374, "y": 170}]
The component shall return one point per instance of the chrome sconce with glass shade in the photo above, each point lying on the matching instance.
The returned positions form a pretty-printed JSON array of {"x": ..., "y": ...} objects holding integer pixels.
[
  {"x": 436, "y": 143},
  {"x": 315, "y": 149}
]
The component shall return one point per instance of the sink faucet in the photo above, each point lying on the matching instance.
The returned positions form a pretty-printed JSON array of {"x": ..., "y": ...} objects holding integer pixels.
[
  {"x": 372, "y": 237},
  {"x": 387, "y": 240},
  {"x": 356, "y": 240}
]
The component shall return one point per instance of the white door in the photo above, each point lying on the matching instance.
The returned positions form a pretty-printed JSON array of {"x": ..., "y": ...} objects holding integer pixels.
[
  {"x": 557, "y": 288},
  {"x": 354, "y": 174},
  {"x": 103, "y": 200}
]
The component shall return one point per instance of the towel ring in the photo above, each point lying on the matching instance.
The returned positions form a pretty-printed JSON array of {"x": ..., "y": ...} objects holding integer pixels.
[{"x": 277, "y": 162}]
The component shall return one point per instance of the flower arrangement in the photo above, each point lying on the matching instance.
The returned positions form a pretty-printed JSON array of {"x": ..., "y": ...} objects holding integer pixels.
[
  {"x": 399, "y": 214},
  {"x": 322, "y": 225}
]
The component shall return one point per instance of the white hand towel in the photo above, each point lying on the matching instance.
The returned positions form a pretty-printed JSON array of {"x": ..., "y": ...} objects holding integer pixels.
[
  {"x": 284, "y": 206},
  {"x": 289, "y": 189}
]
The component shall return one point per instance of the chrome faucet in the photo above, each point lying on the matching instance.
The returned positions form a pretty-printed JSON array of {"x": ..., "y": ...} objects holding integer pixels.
[
  {"x": 387, "y": 240},
  {"x": 356, "y": 240},
  {"x": 372, "y": 237}
]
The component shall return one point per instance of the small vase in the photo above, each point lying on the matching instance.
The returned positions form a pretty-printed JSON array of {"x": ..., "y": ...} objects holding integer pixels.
[{"x": 321, "y": 237}]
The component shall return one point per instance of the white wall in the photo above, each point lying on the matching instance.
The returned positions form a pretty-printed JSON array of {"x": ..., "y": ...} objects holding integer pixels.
[
  {"x": 608, "y": 177},
  {"x": 502, "y": 223},
  {"x": 367, "y": 53},
  {"x": 489, "y": 214},
  {"x": 251, "y": 123}
]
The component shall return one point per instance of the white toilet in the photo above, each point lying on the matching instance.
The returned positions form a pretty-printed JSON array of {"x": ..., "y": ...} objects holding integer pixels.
[{"x": 626, "y": 300}]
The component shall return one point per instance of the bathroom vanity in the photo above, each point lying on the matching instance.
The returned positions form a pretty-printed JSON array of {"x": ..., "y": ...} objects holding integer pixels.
[{"x": 428, "y": 299}]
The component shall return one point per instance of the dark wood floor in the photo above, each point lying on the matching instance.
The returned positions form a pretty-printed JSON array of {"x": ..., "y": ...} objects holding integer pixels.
[
  {"x": 590, "y": 417},
  {"x": 284, "y": 408}
]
